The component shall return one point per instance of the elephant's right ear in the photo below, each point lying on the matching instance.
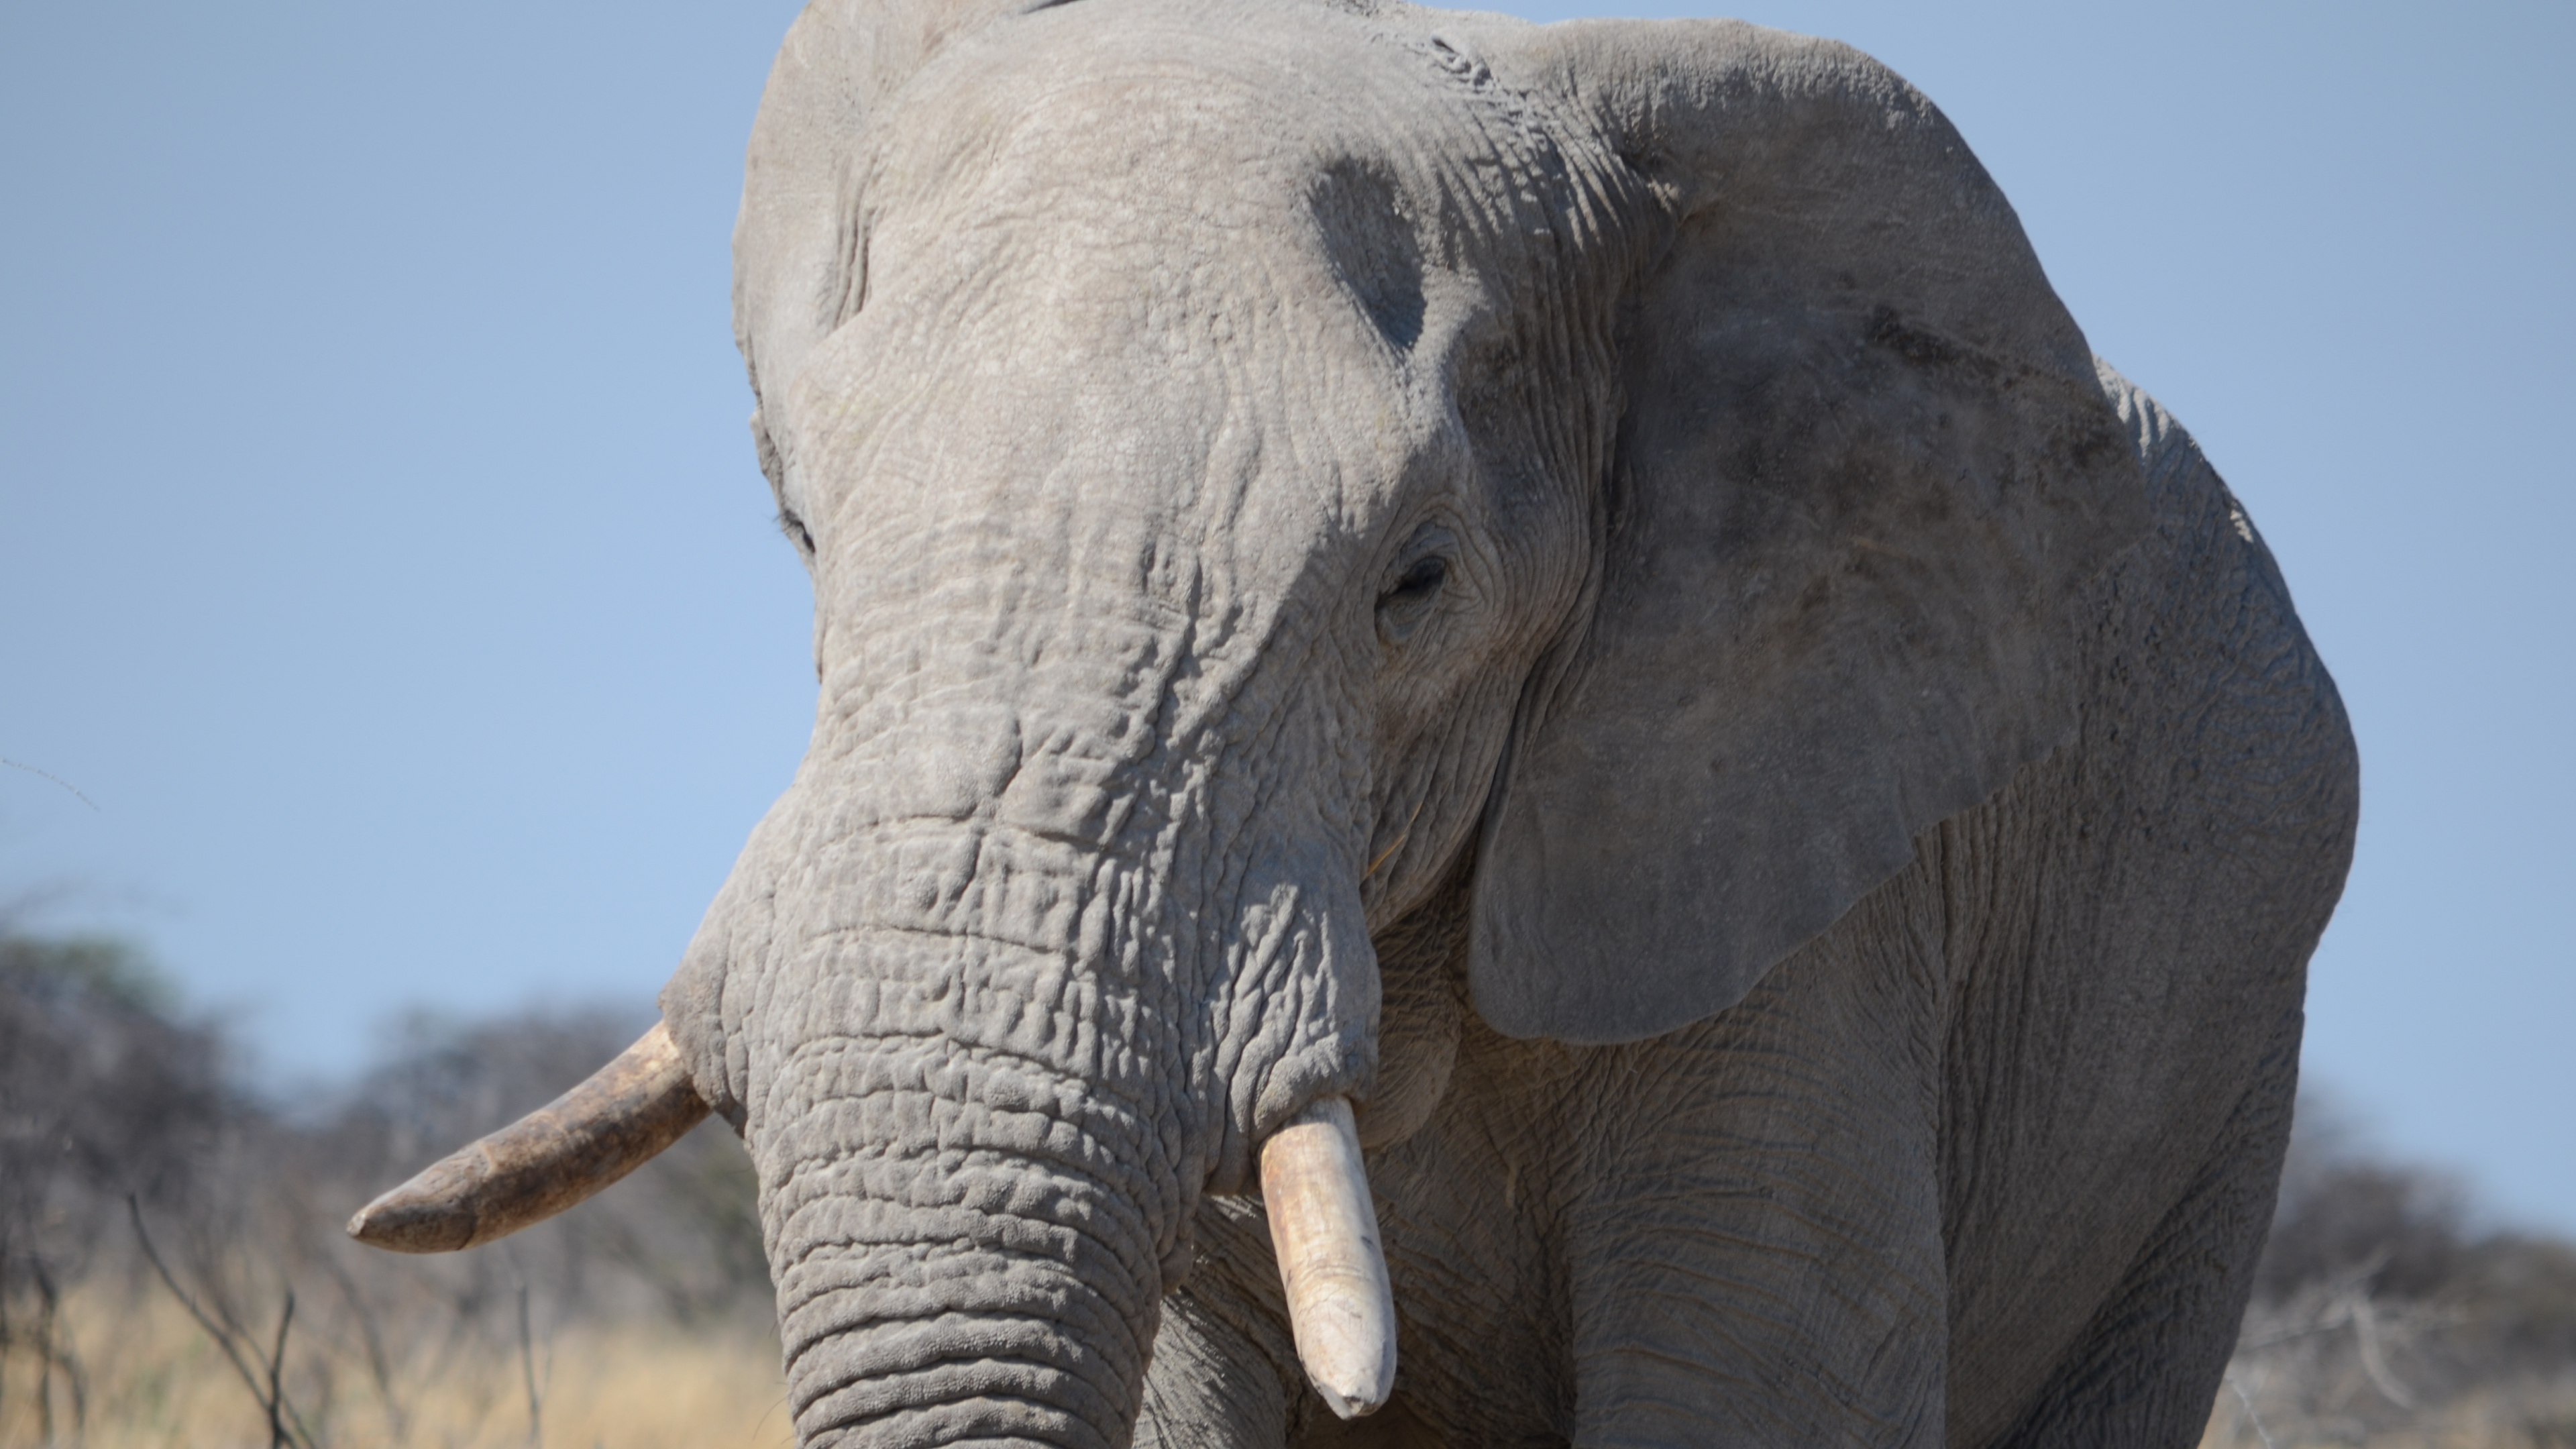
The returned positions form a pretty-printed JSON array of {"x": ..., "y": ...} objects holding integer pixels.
[
  {"x": 797, "y": 246},
  {"x": 1864, "y": 471}
]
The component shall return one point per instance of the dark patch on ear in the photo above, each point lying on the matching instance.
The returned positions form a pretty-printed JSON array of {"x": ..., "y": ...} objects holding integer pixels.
[
  {"x": 1361, "y": 218},
  {"x": 1909, "y": 342}
]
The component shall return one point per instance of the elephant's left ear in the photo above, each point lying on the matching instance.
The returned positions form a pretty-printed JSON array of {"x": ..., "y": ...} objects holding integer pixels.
[{"x": 1864, "y": 473}]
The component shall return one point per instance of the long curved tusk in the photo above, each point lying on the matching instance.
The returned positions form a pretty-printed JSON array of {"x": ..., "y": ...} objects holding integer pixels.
[
  {"x": 546, "y": 1161},
  {"x": 1324, "y": 1227}
]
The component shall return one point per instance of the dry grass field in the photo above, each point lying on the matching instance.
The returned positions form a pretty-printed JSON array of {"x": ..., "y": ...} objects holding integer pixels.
[
  {"x": 172, "y": 1270},
  {"x": 154, "y": 1380}
]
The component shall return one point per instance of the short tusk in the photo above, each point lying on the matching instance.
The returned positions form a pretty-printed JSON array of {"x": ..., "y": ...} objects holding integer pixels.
[
  {"x": 546, "y": 1161},
  {"x": 1325, "y": 1230}
]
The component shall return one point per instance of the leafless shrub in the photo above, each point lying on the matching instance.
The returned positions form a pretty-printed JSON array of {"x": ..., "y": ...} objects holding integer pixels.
[
  {"x": 260, "y": 1363},
  {"x": 103, "y": 1095},
  {"x": 2383, "y": 1313},
  {"x": 134, "y": 1167}
]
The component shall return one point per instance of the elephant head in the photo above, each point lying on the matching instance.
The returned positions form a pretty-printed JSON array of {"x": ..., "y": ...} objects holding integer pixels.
[{"x": 1264, "y": 467}]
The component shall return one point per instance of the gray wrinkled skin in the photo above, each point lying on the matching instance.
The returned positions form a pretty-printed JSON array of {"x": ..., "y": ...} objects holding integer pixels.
[{"x": 1572, "y": 584}]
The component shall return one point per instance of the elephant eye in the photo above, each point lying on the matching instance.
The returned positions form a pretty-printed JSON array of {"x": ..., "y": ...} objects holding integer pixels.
[
  {"x": 1407, "y": 601},
  {"x": 1420, "y": 580},
  {"x": 794, "y": 528}
]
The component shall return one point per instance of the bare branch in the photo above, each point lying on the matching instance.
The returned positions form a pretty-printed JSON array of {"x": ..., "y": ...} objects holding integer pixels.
[
  {"x": 223, "y": 1338},
  {"x": 286, "y": 1428}
]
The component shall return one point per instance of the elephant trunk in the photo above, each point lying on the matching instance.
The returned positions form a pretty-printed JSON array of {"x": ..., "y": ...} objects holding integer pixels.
[
  {"x": 963, "y": 1085},
  {"x": 933, "y": 1295},
  {"x": 987, "y": 1071}
]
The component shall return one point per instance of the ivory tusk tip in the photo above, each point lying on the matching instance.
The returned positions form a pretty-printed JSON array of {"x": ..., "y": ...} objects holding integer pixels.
[
  {"x": 407, "y": 1234},
  {"x": 1355, "y": 1396},
  {"x": 423, "y": 1215},
  {"x": 1346, "y": 1341}
]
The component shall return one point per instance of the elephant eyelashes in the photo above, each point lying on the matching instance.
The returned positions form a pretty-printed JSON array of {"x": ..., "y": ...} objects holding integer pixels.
[
  {"x": 794, "y": 528},
  {"x": 1405, "y": 604}
]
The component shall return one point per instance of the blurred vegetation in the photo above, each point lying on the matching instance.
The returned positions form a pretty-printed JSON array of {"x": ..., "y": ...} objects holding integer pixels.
[
  {"x": 173, "y": 1270},
  {"x": 2385, "y": 1314}
]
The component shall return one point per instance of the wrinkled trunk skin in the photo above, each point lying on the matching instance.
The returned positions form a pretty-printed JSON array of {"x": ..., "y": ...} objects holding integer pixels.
[
  {"x": 992, "y": 1014},
  {"x": 966, "y": 1187},
  {"x": 965, "y": 1243}
]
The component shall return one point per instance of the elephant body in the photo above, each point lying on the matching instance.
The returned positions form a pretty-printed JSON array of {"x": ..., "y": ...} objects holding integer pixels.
[
  {"x": 2073, "y": 1021},
  {"x": 1568, "y": 596}
]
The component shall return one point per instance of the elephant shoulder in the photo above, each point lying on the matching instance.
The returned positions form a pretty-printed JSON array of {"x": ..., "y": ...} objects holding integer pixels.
[
  {"x": 2164, "y": 877},
  {"x": 2200, "y": 657}
]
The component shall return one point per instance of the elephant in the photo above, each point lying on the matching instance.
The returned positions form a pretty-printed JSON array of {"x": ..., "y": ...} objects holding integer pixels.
[{"x": 1514, "y": 747}]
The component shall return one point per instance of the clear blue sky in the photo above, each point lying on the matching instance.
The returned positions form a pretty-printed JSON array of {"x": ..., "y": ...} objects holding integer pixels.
[{"x": 381, "y": 549}]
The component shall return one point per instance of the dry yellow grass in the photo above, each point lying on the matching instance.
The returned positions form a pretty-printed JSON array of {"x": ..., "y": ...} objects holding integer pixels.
[{"x": 153, "y": 1380}]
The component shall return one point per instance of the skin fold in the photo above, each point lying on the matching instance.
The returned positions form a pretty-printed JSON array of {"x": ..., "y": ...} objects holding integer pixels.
[{"x": 1571, "y": 585}]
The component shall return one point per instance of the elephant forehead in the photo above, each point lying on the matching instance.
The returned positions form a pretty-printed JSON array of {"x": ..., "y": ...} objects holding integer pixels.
[
  {"x": 1169, "y": 197},
  {"x": 1098, "y": 156},
  {"x": 1111, "y": 309},
  {"x": 1122, "y": 108}
]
